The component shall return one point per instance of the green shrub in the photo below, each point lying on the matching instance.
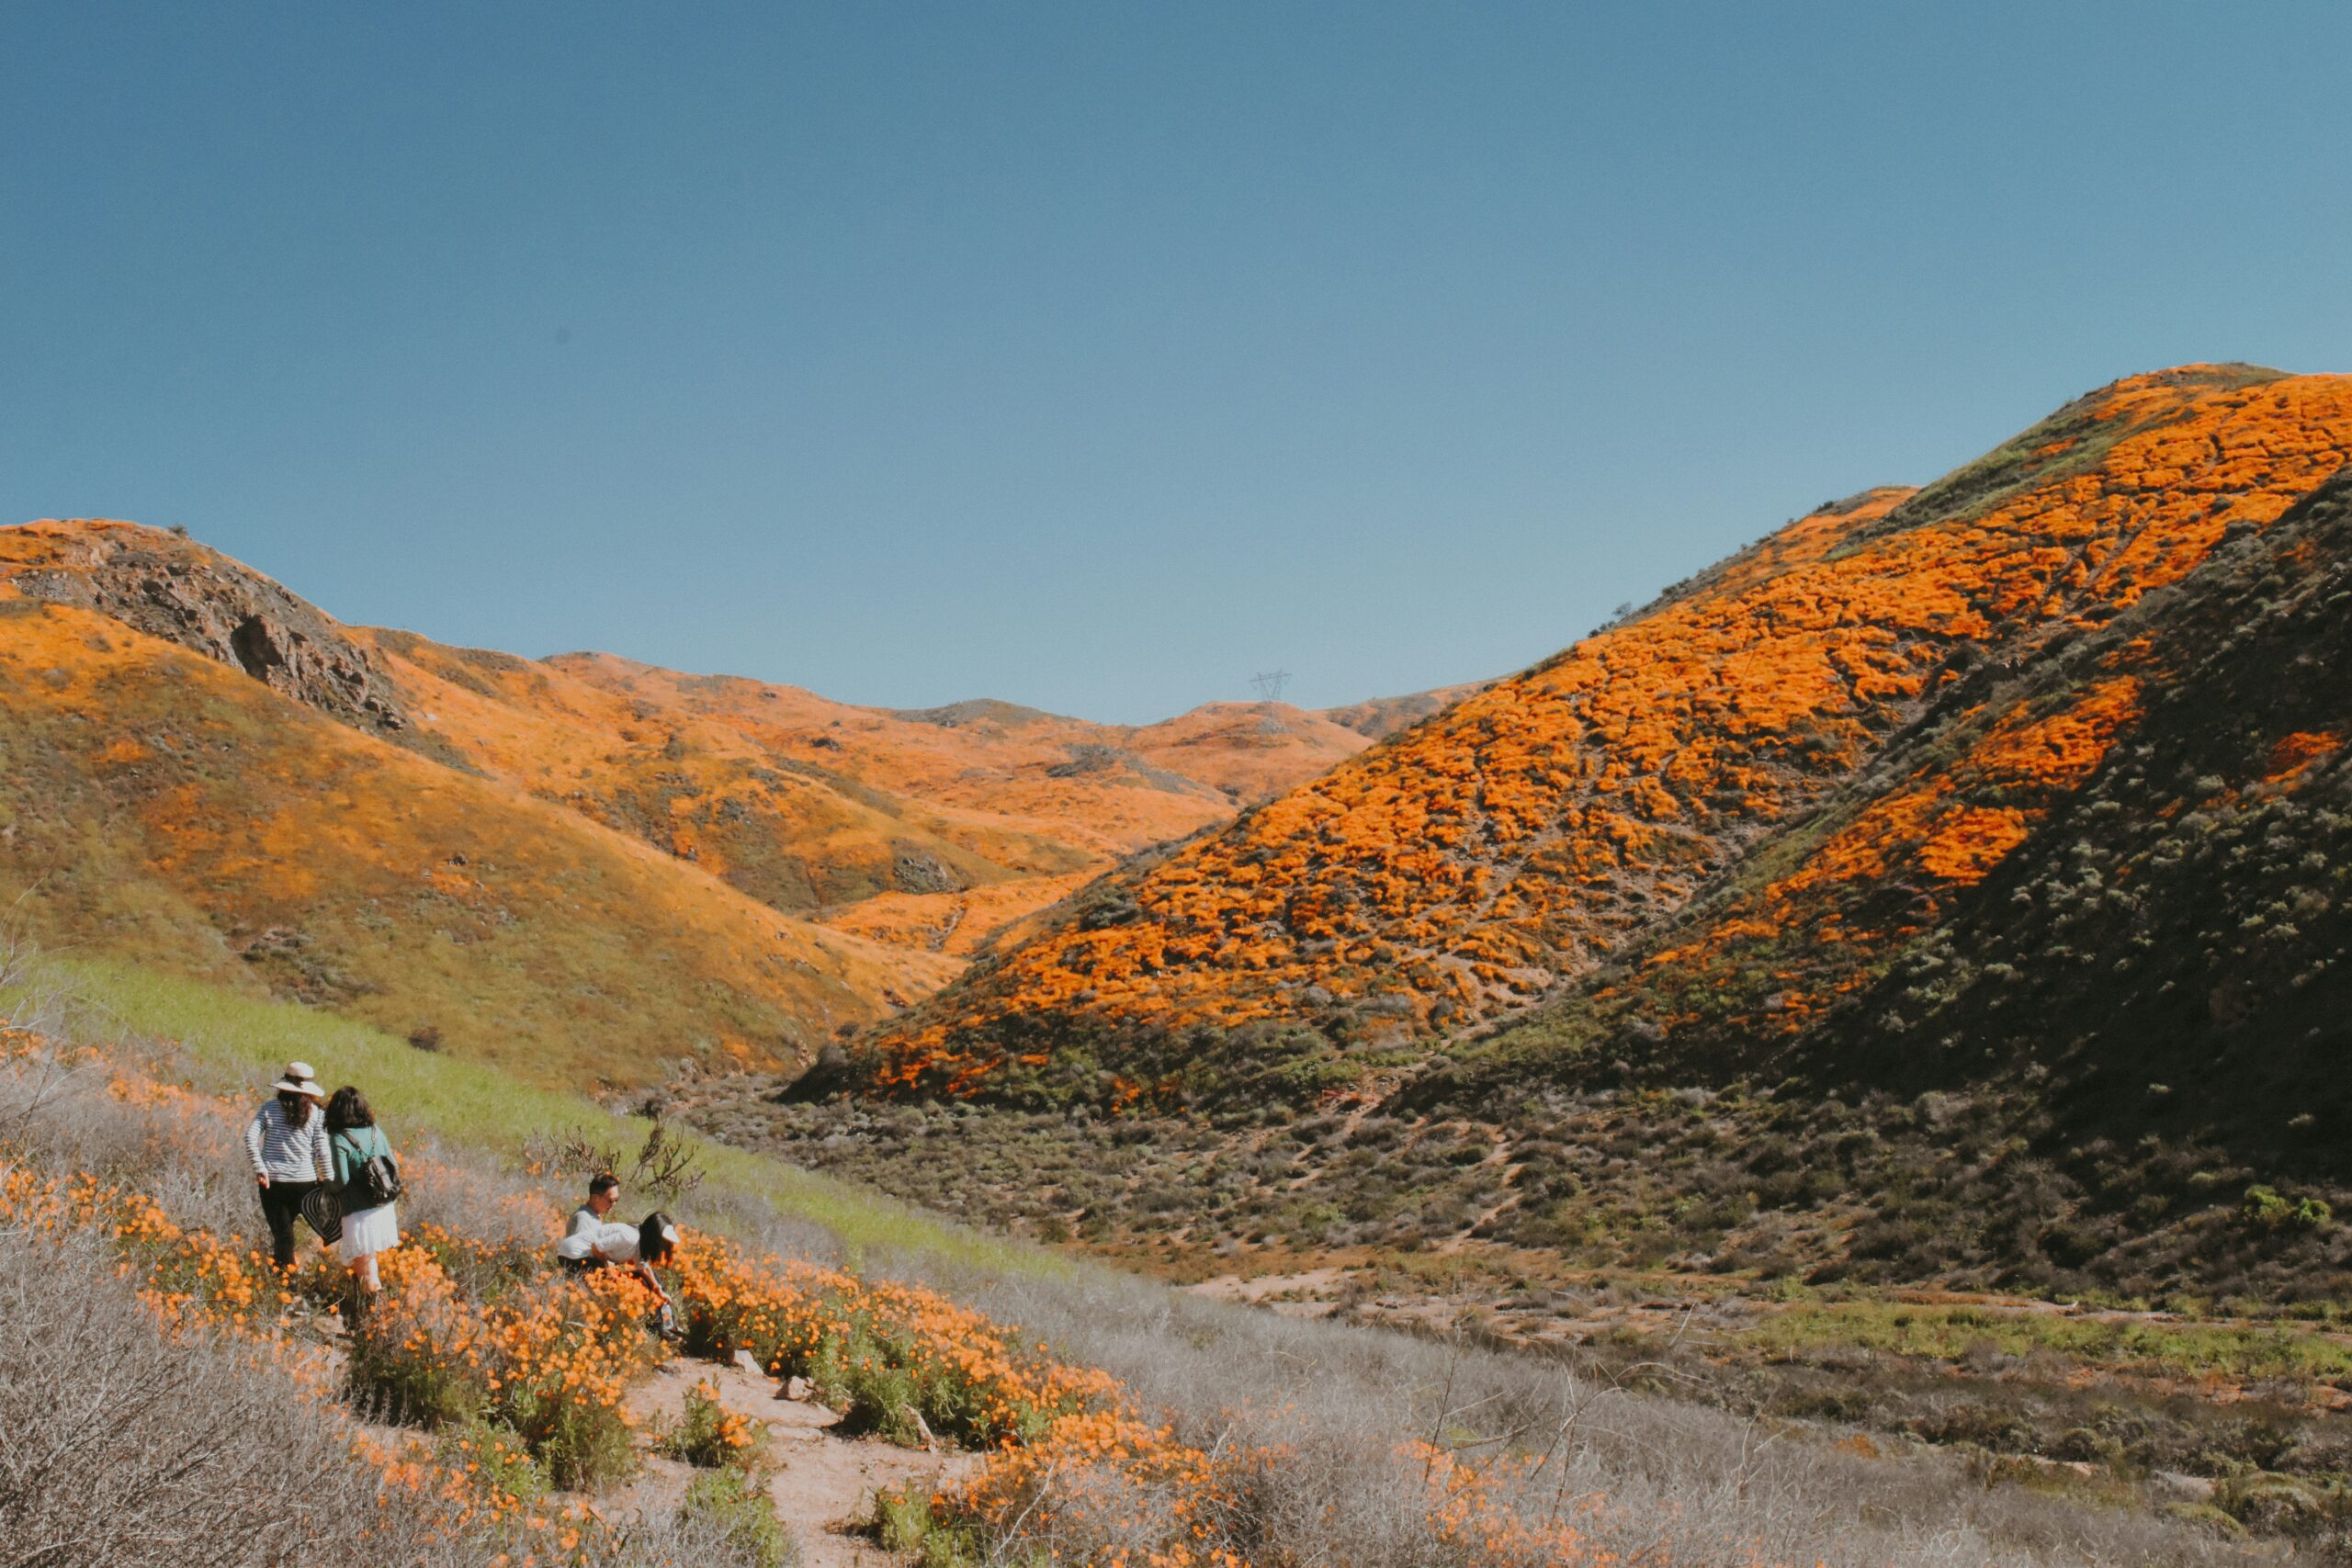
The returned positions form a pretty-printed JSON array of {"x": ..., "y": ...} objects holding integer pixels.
[
  {"x": 496, "y": 1455},
  {"x": 2268, "y": 1210},
  {"x": 410, "y": 1382},
  {"x": 2279, "y": 1505},
  {"x": 904, "y": 1521},
  {"x": 708, "y": 1434},
  {"x": 731, "y": 1501},
  {"x": 584, "y": 1445},
  {"x": 873, "y": 1389}
]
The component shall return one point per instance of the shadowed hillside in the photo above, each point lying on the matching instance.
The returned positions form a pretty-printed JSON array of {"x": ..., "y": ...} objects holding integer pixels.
[
  {"x": 2076, "y": 953},
  {"x": 1469, "y": 865}
]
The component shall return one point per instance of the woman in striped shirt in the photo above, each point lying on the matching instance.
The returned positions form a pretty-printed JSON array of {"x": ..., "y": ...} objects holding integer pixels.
[{"x": 287, "y": 1141}]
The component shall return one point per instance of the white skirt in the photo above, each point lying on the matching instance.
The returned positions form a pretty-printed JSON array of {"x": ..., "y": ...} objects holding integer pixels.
[{"x": 370, "y": 1230}]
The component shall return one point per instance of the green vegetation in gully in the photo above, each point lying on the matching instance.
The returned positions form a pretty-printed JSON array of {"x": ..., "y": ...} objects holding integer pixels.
[{"x": 2242, "y": 1351}]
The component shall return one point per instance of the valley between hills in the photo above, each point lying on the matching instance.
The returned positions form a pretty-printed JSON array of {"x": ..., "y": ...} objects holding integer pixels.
[
  {"x": 1948, "y": 889},
  {"x": 1920, "y": 937}
]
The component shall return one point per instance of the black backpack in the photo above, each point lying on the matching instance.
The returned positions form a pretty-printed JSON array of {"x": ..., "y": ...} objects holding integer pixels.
[{"x": 375, "y": 1181}]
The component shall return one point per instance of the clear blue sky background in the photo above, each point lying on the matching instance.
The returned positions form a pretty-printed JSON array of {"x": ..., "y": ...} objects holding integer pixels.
[{"x": 1096, "y": 356}]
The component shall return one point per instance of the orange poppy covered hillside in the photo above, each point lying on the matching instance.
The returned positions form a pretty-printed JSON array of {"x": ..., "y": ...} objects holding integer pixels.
[
  {"x": 931, "y": 828},
  {"x": 164, "y": 808},
  {"x": 1469, "y": 864},
  {"x": 548, "y": 862}
]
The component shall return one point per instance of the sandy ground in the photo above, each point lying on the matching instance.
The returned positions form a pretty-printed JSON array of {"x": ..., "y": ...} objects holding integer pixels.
[{"x": 1314, "y": 1294}]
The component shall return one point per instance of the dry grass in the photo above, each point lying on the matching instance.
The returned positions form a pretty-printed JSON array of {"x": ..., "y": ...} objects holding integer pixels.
[
  {"x": 1645, "y": 1478},
  {"x": 1296, "y": 1442},
  {"x": 126, "y": 1447}
]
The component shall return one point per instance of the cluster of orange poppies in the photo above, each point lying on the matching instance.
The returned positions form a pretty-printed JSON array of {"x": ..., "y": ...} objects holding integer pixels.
[
  {"x": 548, "y": 1361},
  {"x": 1133, "y": 1495},
  {"x": 970, "y": 1378}
]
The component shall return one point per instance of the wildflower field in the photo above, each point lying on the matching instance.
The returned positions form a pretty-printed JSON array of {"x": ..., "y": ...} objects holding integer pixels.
[
  {"x": 495, "y": 1388},
  {"x": 487, "y": 1410}
]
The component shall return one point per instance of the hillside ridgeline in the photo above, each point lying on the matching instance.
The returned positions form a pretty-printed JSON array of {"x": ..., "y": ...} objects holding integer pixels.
[
  {"x": 2025, "y": 973},
  {"x": 160, "y": 804},
  {"x": 1475, "y": 864},
  {"x": 561, "y": 864}
]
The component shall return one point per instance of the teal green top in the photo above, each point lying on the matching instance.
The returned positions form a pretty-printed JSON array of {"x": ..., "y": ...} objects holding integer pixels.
[{"x": 355, "y": 1147}]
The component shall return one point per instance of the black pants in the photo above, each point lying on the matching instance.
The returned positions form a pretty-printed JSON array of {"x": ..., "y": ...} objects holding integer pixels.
[{"x": 281, "y": 1206}]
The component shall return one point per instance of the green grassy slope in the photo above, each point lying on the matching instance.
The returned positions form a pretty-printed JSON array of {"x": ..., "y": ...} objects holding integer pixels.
[{"x": 249, "y": 1039}]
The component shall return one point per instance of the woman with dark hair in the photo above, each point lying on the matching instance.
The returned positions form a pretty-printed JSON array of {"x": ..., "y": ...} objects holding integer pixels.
[
  {"x": 656, "y": 1238},
  {"x": 657, "y": 1242},
  {"x": 369, "y": 1180},
  {"x": 650, "y": 1241}
]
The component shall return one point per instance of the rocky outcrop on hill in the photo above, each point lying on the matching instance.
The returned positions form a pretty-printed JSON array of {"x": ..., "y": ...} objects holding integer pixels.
[{"x": 169, "y": 587}]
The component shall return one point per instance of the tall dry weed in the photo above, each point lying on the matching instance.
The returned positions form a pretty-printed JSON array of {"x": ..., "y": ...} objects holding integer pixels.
[
  {"x": 1388, "y": 1448},
  {"x": 127, "y": 1447}
]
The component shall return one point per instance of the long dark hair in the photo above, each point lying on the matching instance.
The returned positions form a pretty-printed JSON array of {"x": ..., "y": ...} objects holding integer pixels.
[
  {"x": 297, "y": 1108},
  {"x": 347, "y": 1109},
  {"x": 652, "y": 1244}
]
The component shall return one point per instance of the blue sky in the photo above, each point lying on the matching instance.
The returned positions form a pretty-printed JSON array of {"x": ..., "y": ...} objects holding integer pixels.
[{"x": 1096, "y": 357}]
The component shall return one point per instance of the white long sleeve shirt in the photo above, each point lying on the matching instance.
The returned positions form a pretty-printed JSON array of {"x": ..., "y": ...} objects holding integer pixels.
[
  {"x": 613, "y": 1243},
  {"x": 286, "y": 1153}
]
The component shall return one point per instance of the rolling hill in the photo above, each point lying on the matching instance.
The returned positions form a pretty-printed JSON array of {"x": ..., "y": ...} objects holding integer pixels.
[
  {"x": 1951, "y": 888},
  {"x": 160, "y": 805},
  {"x": 1472, "y": 865},
  {"x": 572, "y": 866}
]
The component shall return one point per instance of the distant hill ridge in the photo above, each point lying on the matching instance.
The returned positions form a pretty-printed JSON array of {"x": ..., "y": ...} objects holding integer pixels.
[
  {"x": 1475, "y": 864},
  {"x": 373, "y": 820}
]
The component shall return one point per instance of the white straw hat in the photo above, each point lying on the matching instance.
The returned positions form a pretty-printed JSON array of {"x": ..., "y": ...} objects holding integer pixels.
[{"x": 301, "y": 1078}]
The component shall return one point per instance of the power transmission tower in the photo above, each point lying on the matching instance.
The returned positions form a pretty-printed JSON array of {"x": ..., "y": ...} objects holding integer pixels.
[{"x": 1269, "y": 684}]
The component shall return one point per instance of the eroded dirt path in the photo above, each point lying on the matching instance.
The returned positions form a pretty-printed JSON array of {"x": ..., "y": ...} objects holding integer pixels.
[{"x": 823, "y": 1485}]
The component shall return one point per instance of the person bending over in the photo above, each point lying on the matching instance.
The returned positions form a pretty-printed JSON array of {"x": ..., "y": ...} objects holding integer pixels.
[{"x": 639, "y": 1248}]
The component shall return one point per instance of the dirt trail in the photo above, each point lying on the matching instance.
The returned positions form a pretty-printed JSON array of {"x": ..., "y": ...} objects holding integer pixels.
[{"x": 823, "y": 1485}]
